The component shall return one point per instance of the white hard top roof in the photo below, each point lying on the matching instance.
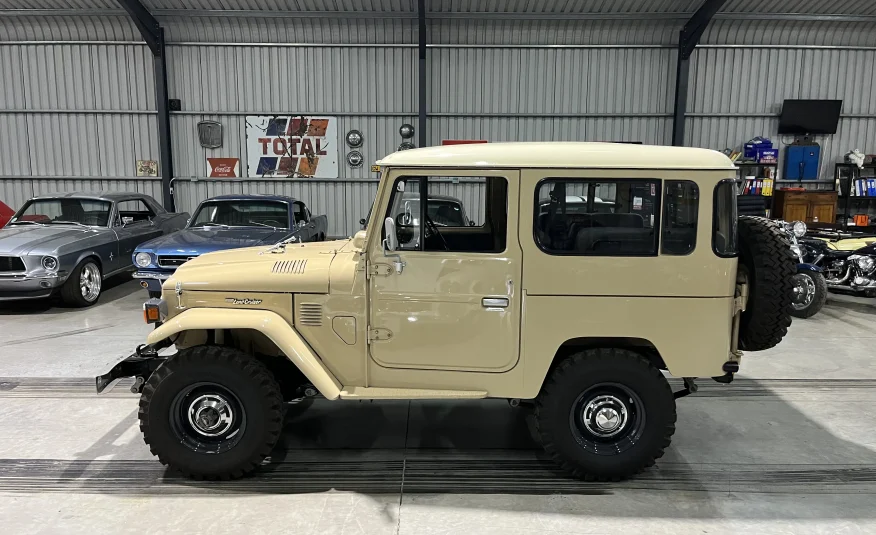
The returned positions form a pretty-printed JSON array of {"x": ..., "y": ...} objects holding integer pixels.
[{"x": 560, "y": 155}]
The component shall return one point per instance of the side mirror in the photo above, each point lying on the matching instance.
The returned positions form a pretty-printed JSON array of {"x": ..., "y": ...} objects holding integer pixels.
[
  {"x": 127, "y": 221},
  {"x": 390, "y": 243}
]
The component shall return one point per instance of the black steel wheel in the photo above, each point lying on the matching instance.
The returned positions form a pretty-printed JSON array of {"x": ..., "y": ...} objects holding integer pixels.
[
  {"x": 211, "y": 412},
  {"x": 809, "y": 293},
  {"x": 605, "y": 414}
]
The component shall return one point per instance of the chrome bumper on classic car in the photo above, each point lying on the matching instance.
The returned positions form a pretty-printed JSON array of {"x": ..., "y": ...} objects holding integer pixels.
[
  {"x": 151, "y": 280},
  {"x": 23, "y": 286}
]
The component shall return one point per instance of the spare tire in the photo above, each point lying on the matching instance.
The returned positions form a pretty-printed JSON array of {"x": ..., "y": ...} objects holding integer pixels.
[{"x": 765, "y": 253}]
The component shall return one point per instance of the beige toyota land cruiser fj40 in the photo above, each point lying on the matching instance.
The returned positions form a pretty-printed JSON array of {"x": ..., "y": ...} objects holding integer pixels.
[{"x": 586, "y": 273}]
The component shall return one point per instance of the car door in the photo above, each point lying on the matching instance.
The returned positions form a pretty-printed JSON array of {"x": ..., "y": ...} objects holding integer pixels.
[
  {"x": 303, "y": 221},
  {"x": 134, "y": 225},
  {"x": 455, "y": 304}
]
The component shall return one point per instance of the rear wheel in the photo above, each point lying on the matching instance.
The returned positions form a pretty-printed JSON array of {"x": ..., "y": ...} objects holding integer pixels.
[
  {"x": 83, "y": 286},
  {"x": 765, "y": 252},
  {"x": 211, "y": 412},
  {"x": 809, "y": 294},
  {"x": 605, "y": 414}
]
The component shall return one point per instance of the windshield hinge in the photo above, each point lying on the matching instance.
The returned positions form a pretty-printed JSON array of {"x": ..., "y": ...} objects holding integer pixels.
[
  {"x": 378, "y": 334},
  {"x": 383, "y": 270}
]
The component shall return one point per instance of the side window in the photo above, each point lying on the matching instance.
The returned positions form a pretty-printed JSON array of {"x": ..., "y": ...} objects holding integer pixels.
[
  {"x": 461, "y": 214},
  {"x": 597, "y": 217},
  {"x": 134, "y": 211},
  {"x": 724, "y": 235},
  {"x": 681, "y": 202},
  {"x": 300, "y": 213}
]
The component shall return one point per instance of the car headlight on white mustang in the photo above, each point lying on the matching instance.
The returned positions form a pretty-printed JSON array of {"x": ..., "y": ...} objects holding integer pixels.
[
  {"x": 866, "y": 263},
  {"x": 50, "y": 263},
  {"x": 799, "y": 229},
  {"x": 143, "y": 259}
]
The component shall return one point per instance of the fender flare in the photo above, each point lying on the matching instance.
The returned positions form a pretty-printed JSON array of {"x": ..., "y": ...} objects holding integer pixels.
[{"x": 266, "y": 322}]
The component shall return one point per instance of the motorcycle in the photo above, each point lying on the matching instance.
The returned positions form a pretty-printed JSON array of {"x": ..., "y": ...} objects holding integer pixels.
[
  {"x": 810, "y": 285},
  {"x": 849, "y": 265}
]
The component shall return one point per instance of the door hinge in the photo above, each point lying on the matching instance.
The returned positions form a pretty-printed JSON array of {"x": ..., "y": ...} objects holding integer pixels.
[
  {"x": 378, "y": 334},
  {"x": 383, "y": 270}
]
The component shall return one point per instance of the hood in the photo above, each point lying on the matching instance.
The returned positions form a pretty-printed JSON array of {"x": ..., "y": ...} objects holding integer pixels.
[
  {"x": 25, "y": 239},
  {"x": 196, "y": 241},
  {"x": 301, "y": 268}
]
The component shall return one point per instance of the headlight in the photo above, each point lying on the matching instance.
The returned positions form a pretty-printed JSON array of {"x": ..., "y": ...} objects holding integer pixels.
[
  {"x": 50, "y": 263},
  {"x": 866, "y": 263},
  {"x": 143, "y": 259},
  {"x": 799, "y": 229}
]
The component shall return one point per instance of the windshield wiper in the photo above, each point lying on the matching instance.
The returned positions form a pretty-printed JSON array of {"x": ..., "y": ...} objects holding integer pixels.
[
  {"x": 262, "y": 224},
  {"x": 25, "y": 222},
  {"x": 211, "y": 224},
  {"x": 280, "y": 247},
  {"x": 69, "y": 223}
]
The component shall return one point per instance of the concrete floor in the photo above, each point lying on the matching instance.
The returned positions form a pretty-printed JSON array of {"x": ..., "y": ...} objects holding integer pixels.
[{"x": 789, "y": 447}]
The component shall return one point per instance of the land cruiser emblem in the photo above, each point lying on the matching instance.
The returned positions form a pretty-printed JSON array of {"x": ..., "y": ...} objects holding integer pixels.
[{"x": 244, "y": 301}]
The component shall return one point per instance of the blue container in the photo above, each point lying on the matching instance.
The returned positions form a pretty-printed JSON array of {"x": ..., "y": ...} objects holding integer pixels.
[
  {"x": 767, "y": 155},
  {"x": 801, "y": 162},
  {"x": 749, "y": 150}
]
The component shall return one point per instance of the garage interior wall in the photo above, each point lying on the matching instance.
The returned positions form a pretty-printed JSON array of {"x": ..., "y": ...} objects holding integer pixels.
[{"x": 77, "y": 106}]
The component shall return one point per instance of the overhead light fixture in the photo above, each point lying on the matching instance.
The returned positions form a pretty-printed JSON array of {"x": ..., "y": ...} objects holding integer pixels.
[
  {"x": 354, "y": 138},
  {"x": 406, "y": 131},
  {"x": 354, "y": 158}
]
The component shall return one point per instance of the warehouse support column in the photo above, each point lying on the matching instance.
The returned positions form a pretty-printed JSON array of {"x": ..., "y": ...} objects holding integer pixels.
[
  {"x": 421, "y": 18},
  {"x": 687, "y": 41},
  {"x": 153, "y": 34}
]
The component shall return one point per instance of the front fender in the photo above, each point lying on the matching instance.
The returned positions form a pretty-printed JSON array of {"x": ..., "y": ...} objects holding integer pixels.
[
  {"x": 809, "y": 267},
  {"x": 268, "y": 323}
]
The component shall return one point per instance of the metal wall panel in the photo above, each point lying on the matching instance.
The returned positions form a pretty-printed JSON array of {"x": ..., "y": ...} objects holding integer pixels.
[
  {"x": 553, "y": 32},
  {"x": 289, "y": 30},
  {"x": 68, "y": 28},
  {"x": 63, "y": 145},
  {"x": 58, "y": 77},
  {"x": 391, "y": 6},
  {"x": 783, "y": 33},
  {"x": 14, "y": 193},
  {"x": 122, "y": 77},
  {"x": 564, "y": 6},
  {"x": 15, "y": 156}
]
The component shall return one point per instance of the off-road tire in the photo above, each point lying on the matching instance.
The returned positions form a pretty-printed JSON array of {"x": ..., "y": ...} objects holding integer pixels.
[
  {"x": 818, "y": 300},
  {"x": 71, "y": 292},
  {"x": 586, "y": 370},
  {"x": 239, "y": 373},
  {"x": 765, "y": 252}
]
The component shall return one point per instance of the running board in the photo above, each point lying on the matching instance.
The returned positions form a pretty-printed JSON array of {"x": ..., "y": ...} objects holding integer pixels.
[{"x": 359, "y": 392}]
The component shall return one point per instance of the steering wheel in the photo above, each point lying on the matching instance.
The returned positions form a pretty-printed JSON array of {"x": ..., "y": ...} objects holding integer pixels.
[{"x": 432, "y": 230}]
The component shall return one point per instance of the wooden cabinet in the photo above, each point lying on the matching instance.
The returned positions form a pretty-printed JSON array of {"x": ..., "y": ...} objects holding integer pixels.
[{"x": 808, "y": 206}]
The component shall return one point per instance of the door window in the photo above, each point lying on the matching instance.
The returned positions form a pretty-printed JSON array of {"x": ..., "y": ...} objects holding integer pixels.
[
  {"x": 680, "y": 208},
  {"x": 134, "y": 211},
  {"x": 462, "y": 214}
]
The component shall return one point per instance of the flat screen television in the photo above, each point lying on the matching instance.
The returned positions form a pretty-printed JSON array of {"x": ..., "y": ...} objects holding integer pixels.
[{"x": 809, "y": 116}]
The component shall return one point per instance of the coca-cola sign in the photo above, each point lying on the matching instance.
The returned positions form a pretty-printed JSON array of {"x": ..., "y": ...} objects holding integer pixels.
[{"x": 223, "y": 167}]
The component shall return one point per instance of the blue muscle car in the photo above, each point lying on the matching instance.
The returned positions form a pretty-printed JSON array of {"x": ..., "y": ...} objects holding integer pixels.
[{"x": 226, "y": 222}]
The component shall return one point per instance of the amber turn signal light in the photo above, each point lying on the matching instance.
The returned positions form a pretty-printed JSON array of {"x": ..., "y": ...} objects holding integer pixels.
[{"x": 151, "y": 314}]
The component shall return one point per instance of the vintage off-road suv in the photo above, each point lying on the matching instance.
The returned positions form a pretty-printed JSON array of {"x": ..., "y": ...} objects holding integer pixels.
[{"x": 578, "y": 312}]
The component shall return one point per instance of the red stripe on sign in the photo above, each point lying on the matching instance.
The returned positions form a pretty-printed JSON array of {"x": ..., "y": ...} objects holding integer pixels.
[{"x": 462, "y": 141}]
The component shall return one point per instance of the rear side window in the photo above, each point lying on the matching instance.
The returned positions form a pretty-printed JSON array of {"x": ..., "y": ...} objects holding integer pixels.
[
  {"x": 597, "y": 217},
  {"x": 681, "y": 201},
  {"x": 724, "y": 234}
]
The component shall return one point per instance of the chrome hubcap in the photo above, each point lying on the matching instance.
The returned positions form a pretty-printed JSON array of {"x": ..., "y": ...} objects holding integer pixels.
[
  {"x": 804, "y": 292},
  {"x": 210, "y": 415},
  {"x": 89, "y": 282},
  {"x": 604, "y": 416}
]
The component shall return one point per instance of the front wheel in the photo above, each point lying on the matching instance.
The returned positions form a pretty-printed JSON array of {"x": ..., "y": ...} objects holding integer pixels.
[
  {"x": 809, "y": 294},
  {"x": 211, "y": 412},
  {"x": 605, "y": 414},
  {"x": 82, "y": 288}
]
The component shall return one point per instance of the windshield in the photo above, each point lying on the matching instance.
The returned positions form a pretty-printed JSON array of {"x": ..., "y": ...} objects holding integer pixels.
[
  {"x": 65, "y": 211},
  {"x": 242, "y": 214},
  {"x": 443, "y": 213}
]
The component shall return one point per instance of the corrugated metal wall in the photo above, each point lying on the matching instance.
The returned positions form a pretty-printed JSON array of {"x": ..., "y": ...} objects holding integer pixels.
[{"x": 77, "y": 103}]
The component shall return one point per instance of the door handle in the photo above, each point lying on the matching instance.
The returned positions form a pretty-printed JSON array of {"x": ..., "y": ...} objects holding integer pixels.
[{"x": 494, "y": 302}]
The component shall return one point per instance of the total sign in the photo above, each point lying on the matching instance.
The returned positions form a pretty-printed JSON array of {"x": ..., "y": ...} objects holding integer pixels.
[{"x": 294, "y": 146}]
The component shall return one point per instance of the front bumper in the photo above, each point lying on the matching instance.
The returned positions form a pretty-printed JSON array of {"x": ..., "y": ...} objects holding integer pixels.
[
  {"x": 29, "y": 286},
  {"x": 140, "y": 365},
  {"x": 152, "y": 280}
]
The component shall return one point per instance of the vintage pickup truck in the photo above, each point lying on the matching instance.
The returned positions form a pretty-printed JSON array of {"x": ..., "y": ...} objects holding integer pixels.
[{"x": 226, "y": 222}]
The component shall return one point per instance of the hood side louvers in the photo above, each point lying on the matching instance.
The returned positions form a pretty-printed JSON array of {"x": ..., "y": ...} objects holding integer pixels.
[
  {"x": 310, "y": 314},
  {"x": 293, "y": 267}
]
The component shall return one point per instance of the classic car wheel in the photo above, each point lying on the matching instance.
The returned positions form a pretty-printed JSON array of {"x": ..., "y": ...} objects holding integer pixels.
[
  {"x": 82, "y": 288},
  {"x": 605, "y": 414},
  {"x": 809, "y": 294},
  {"x": 211, "y": 412}
]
